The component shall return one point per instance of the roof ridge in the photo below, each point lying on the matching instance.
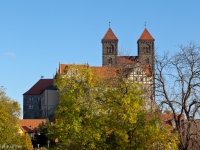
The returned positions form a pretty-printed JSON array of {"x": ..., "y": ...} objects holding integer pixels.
[{"x": 39, "y": 86}]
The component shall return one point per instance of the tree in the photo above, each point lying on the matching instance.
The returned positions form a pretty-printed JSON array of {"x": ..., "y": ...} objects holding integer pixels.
[
  {"x": 9, "y": 114},
  {"x": 177, "y": 88},
  {"x": 104, "y": 112},
  {"x": 26, "y": 142},
  {"x": 9, "y": 125},
  {"x": 42, "y": 134}
]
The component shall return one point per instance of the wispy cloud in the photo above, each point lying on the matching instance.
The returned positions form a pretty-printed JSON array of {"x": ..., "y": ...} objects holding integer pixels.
[{"x": 10, "y": 54}]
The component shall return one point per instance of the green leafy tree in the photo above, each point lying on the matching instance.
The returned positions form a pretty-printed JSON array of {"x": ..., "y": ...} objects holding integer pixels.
[
  {"x": 9, "y": 116},
  {"x": 9, "y": 124},
  {"x": 42, "y": 136},
  {"x": 104, "y": 112}
]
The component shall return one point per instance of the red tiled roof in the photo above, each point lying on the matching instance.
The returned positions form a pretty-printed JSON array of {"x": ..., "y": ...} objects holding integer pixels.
[
  {"x": 101, "y": 71},
  {"x": 147, "y": 69},
  {"x": 169, "y": 117},
  {"x": 111, "y": 71},
  {"x": 109, "y": 35},
  {"x": 104, "y": 71},
  {"x": 146, "y": 35},
  {"x": 39, "y": 87},
  {"x": 127, "y": 59},
  {"x": 166, "y": 119},
  {"x": 31, "y": 125}
]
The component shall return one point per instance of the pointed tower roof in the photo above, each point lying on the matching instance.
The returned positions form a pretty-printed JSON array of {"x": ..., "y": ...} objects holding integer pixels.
[
  {"x": 110, "y": 35},
  {"x": 146, "y": 35}
]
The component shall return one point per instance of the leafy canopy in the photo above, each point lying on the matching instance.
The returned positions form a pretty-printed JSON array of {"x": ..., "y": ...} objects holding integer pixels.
[
  {"x": 104, "y": 112},
  {"x": 10, "y": 126}
]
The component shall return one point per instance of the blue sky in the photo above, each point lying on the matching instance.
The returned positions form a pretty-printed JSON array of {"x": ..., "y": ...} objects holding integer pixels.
[{"x": 36, "y": 35}]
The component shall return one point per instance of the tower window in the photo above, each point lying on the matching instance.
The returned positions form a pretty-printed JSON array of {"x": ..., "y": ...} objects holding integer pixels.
[
  {"x": 144, "y": 49},
  {"x": 147, "y": 60},
  {"x": 110, "y": 61},
  {"x": 147, "y": 50}
]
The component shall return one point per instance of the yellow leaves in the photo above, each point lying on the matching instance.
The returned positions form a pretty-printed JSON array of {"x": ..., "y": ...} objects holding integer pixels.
[
  {"x": 103, "y": 114},
  {"x": 9, "y": 125},
  {"x": 97, "y": 136},
  {"x": 157, "y": 137},
  {"x": 26, "y": 142}
]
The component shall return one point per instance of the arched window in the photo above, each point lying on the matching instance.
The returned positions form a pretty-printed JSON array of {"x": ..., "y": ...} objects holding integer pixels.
[
  {"x": 144, "y": 49},
  {"x": 147, "y": 60},
  {"x": 109, "y": 49},
  {"x": 110, "y": 61},
  {"x": 147, "y": 50},
  {"x": 113, "y": 49}
]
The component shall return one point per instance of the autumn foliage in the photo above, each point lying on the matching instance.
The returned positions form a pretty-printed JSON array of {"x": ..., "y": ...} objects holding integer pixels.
[{"x": 104, "y": 112}]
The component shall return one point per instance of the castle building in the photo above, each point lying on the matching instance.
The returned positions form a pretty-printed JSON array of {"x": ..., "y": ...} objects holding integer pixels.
[
  {"x": 140, "y": 68},
  {"x": 110, "y": 50},
  {"x": 41, "y": 100}
]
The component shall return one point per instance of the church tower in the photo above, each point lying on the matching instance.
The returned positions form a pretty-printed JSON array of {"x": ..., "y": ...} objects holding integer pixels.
[
  {"x": 109, "y": 49},
  {"x": 146, "y": 49}
]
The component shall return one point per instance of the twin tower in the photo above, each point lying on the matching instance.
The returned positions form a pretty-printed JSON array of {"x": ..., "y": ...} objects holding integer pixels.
[{"x": 145, "y": 50}]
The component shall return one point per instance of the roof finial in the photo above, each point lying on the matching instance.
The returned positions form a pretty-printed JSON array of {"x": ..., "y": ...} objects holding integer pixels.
[
  {"x": 145, "y": 24},
  {"x": 109, "y": 24}
]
